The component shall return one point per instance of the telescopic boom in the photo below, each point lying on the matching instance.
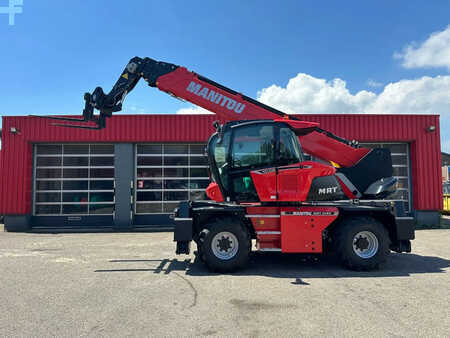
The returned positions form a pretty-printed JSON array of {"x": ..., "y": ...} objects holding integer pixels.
[{"x": 226, "y": 103}]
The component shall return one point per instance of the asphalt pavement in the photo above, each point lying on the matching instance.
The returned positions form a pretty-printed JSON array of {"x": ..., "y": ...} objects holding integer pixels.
[{"x": 132, "y": 284}]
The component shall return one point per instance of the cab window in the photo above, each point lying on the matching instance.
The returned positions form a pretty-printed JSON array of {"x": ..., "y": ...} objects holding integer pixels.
[
  {"x": 289, "y": 147},
  {"x": 219, "y": 152},
  {"x": 253, "y": 146}
]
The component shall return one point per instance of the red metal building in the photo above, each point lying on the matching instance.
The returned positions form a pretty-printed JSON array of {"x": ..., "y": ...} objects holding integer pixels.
[{"x": 133, "y": 172}]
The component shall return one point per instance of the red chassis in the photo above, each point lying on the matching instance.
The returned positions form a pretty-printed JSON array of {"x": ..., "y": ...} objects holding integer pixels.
[{"x": 291, "y": 229}]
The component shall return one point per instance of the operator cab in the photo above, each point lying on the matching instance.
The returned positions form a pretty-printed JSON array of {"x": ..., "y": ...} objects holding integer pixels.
[
  {"x": 239, "y": 148},
  {"x": 262, "y": 161}
]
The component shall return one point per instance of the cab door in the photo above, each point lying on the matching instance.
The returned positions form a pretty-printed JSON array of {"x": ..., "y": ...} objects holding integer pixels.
[
  {"x": 288, "y": 178},
  {"x": 253, "y": 147}
]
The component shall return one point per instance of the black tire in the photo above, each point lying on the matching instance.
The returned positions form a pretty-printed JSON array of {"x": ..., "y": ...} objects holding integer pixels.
[
  {"x": 346, "y": 237},
  {"x": 237, "y": 259}
]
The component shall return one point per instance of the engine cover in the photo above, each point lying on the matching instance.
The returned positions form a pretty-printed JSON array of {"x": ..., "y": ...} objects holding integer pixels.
[
  {"x": 293, "y": 183},
  {"x": 325, "y": 188}
]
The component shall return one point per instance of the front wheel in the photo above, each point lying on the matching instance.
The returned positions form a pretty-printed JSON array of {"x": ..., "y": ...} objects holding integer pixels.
[
  {"x": 362, "y": 243},
  {"x": 226, "y": 245}
]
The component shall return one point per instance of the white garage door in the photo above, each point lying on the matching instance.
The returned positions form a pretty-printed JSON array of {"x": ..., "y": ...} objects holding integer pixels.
[
  {"x": 73, "y": 179},
  {"x": 167, "y": 174}
]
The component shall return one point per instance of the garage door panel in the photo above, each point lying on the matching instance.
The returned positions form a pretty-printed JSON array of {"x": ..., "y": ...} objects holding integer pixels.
[
  {"x": 73, "y": 179},
  {"x": 167, "y": 174}
]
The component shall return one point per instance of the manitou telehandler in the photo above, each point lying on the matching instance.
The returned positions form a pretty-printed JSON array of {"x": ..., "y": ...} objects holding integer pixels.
[{"x": 262, "y": 187}]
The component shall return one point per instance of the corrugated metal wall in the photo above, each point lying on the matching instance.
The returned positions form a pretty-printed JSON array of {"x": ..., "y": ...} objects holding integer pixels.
[{"x": 16, "y": 175}]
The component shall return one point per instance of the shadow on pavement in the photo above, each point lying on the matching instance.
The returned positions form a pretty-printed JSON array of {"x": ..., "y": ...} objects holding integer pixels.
[{"x": 292, "y": 266}]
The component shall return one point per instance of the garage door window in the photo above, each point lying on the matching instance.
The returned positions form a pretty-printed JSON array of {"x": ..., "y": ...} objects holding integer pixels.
[
  {"x": 73, "y": 179},
  {"x": 167, "y": 174}
]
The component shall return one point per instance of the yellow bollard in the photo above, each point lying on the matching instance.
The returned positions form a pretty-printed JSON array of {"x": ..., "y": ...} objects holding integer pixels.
[{"x": 447, "y": 203}]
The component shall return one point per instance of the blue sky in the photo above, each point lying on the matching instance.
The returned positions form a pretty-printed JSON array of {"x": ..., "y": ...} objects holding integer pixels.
[{"x": 332, "y": 57}]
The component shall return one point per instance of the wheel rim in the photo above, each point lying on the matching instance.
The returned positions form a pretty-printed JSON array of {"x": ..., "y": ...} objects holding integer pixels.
[
  {"x": 224, "y": 245},
  {"x": 365, "y": 244}
]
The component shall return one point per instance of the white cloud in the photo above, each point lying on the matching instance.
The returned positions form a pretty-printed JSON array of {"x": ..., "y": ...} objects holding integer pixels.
[
  {"x": 305, "y": 94},
  {"x": 434, "y": 52},
  {"x": 373, "y": 83},
  {"x": 193, "y": 111},
  {"x": 425, "y": 95}
]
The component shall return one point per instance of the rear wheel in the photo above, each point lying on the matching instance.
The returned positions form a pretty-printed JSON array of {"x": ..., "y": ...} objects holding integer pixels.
[
  {"x": 362, "y": 243},
  {"x": 226, "y": 245}
]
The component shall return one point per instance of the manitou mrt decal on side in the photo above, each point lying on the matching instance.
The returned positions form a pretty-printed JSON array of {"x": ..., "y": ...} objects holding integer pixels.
[
  {"x": 262, "y": 187},
  {"x": 217, "y": 98},
  {"x": 330, "y": 190}
]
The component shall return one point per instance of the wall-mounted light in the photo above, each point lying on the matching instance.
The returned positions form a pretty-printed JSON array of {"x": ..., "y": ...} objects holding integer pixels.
[
  {"x": 14, "y": 130},
  {"x": 430, "y": 129}
]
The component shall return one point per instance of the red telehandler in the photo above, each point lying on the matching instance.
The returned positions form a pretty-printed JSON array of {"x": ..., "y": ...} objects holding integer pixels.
[{"x": 262, "y": 187}]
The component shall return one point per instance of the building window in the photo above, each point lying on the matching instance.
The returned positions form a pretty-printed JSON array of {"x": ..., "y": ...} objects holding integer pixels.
[
  {"x": 167, "y": 174},
  {"x": 73, "y": 179}
]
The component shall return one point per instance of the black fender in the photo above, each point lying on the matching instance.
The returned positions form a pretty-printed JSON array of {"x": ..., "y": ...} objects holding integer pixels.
[
  {"x": 190, "y": 218},
  {"x": 401, "y": 229}
]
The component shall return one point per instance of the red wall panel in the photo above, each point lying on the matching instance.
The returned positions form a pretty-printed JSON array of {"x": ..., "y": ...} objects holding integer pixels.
[{"x": 16, "y": 154}]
